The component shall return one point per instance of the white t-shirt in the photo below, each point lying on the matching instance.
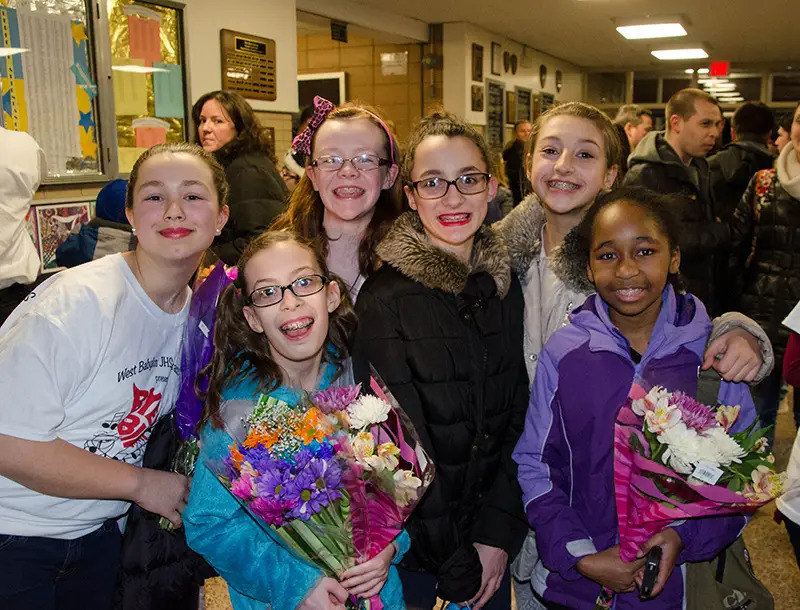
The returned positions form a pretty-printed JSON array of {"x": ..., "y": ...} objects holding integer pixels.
[
  {"x": 90, "y": 359},
  {"x": 22, "y": 167}
]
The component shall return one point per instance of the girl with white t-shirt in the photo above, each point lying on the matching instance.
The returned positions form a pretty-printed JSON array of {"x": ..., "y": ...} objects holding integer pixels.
[{"x": 90, "y": 361}]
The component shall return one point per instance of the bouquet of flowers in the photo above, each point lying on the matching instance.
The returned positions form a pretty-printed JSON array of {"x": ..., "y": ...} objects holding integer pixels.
[
  {"x": 675, "y": 459},
  {"x": 333, "y": 479}
]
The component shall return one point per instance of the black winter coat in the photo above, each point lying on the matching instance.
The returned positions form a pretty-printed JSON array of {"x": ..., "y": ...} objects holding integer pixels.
[
  {"x": 257, "y": 196},
  {"x": 447, "y": 340},
  {"x": 703, "y": 241},
  {"x": 766, "y": 260},
  {"x": 731, "y": 171},
  {"x": 158, "y": 571}
]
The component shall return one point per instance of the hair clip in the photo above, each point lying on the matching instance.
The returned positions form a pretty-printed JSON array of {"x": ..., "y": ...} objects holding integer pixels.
[{"x": 302, "y": 142}]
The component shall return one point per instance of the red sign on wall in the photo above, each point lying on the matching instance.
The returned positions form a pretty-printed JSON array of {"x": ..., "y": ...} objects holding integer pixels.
[{"x": 719, "y": 68}]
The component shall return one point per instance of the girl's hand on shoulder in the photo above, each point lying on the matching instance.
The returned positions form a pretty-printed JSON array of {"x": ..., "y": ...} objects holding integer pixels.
[
  {"x": 493, "y": 562},
  {"x": 327, "y": 594},
  {"x": 671, "y": 546},
  {"x": 367, "y": 579},
  {"x": 163, "y": 493},
  {"x": 607, "y": 569},
  {"x": 736, "y": 356}
]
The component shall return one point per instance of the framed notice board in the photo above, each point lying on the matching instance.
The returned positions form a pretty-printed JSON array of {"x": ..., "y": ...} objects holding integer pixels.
[
  {"x": 495, "y": 106},
  {"x": 248, "y": 65},
  {"x": 523, "y": 104}
]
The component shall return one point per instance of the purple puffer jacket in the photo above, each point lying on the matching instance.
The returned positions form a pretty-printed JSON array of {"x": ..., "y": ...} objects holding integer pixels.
[{"x": 566, "y": 453}]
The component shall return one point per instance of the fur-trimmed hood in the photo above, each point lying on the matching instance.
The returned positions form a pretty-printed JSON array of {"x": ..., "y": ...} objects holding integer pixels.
[
  {"x": 522, "y": 231},
  {"x": 406, "y": 248}
]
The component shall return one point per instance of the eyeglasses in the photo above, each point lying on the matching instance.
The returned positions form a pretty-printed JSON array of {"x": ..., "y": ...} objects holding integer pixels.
[
  {"x": 436, "y": 187},
  {"x": 301, "y": 287},
  {"x": 365, "y": 162}
]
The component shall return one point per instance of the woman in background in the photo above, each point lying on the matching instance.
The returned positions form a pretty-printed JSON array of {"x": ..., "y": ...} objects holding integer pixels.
[{"x": 227, "y": 127}]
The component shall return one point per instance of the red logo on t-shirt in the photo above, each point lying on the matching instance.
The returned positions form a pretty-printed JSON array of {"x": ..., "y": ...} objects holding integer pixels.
[{"x": 143, "y": 411}]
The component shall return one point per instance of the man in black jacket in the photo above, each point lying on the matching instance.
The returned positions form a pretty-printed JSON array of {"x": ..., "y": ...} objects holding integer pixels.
[
  {"x": 674, "y": 163},
  {"x": 514, "y": 159},
  {"x": 734, "y": 165},
  {"x": 633, "y": 123}
]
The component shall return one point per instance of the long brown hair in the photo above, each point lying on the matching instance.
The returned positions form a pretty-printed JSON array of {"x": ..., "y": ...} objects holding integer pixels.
[
  {"x": 306, "y": 210},
  {"x": 240, "y": 353},
  {"x": 250, "y": 134}
]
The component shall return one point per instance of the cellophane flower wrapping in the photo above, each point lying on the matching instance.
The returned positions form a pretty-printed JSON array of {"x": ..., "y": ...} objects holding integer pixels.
[
  {"x": 198, "y": 341},
  {"x": 333, "y": 478},
  {"x": 676, "y": 459}
]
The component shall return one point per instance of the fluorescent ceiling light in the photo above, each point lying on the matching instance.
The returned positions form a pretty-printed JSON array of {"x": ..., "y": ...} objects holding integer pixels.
[
  {"x": 720, "y": 87},
  {"x": 702, "y": 70},
  {"x": 713, "y": 82},
  {"x": 689, "y": 71},
  {"x": 673, "y": 54},
  {"x": 728, "y": 94},
  {"x": 733, "y": 100},
  {"x": 651, "y": 30},
  {"x": 138, "y": 69},
  {"x": 6, "y": 51}
]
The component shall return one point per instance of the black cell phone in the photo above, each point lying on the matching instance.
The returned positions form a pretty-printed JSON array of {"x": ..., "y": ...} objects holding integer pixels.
[{"x": 651, "y": 565}]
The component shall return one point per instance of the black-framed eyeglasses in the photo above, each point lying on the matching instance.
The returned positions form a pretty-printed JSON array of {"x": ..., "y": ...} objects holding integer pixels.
[
  {"x": 365, "y": 162},
  {"x": 436, "y": 187},
  {"x": 305, "y": 286}
]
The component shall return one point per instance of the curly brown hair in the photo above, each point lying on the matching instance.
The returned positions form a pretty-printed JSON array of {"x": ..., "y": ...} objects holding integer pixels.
[
  {"x": 306, "y": 210},
  {"x": 240, "y": 353}
]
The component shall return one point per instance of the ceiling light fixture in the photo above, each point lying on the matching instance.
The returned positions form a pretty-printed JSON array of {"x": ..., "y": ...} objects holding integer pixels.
[
  {"x": 6, "y": 51},
  {"x": 702, "y": 70},
  {"x": 677, "y": 54},
  {"x": 651, "y": 30},
  {"x": 713, "y": 81},
  {"x": 720, "y": 87},
  {"x": 733, "y": 100},
  {"x": 689, "y": 71},
  {"x": 728, "y": 94}
]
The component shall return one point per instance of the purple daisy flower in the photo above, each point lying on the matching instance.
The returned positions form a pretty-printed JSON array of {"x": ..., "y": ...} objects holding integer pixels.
[
  {"x": 271, "y": 484},
  {"x": 694, "y": 415},
  {"x": 314, "y": 487},
  {"x": 335, "y": 399}
]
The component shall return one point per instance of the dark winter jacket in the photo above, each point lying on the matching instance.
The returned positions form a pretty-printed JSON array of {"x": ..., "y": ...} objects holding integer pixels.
[
  {"x": 655, "y": 165},
  {"x": 446, "y": 337},
  {"x": 158, "y": 571},
  {"x": 731, "y": 171},
  {"x": 514, "y": 159},
  {"x": 96, "y": 239},
  {"x": 766, "y": 256},
  {"x": 257, "y": 196},
  {"x": 625, "y": 151}
]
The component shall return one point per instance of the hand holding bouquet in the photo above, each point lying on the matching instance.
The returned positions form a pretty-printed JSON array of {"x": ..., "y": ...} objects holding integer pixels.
[
  {"x": 676, "y": 459},
  {"x": 333, "y": 479}
]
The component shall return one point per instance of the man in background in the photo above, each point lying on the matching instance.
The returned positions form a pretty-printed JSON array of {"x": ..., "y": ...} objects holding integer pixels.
[
  {"x": 22, "y": 168},
  {"x": 734, "y": 165},
  {"x": 514, "y": 159},
  {"x": 633, "y": 123},
  {"x": 674, "y": 163}
]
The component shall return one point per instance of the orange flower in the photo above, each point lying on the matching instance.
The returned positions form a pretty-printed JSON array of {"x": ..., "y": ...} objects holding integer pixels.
[
  {"x": 312, "y": 427},
  {"x": 261, "y": 436},
  {"x": 236, "y": 456}
]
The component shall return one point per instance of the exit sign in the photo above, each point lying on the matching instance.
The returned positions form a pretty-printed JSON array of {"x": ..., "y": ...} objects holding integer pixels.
[{"x": 719, "y": 68}]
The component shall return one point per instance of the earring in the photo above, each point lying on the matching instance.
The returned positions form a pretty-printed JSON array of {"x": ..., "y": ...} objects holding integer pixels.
[
  {"x": 133, "y": 230},
  {"x": 218, "y": 230}
]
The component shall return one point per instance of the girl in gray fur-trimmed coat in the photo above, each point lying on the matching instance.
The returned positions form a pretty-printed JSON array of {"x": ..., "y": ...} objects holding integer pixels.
[{"x": 441, "y": 322}]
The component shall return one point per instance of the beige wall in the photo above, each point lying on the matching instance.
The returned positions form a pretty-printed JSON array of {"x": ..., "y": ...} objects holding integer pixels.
[
  {"x": 282, "y": 124},
  {"x": 399, "y": 98}
]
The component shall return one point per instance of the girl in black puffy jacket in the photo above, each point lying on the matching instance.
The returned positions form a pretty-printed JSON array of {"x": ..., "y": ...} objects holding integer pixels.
[{"x": 441, "y": 322}]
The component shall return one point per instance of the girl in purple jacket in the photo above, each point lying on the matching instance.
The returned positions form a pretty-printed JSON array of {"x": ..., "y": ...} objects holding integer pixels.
[{"x": 638, "y": 326}]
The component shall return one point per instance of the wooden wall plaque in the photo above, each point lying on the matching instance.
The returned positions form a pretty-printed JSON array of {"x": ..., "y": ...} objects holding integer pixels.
[{"x": 248, "y": 65}]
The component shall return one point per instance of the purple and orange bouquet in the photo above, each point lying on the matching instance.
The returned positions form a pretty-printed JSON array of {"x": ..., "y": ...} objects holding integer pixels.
[
  {"x": 675, "y": 459},
  {"x": 333, "y": 478}
]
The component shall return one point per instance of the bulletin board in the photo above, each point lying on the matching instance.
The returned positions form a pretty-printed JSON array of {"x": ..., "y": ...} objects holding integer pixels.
[
  {"x": 495, "y": 121},
  {"x": 50, "y": 89},
  {"x": 148, "y": 74},
  {"x": 51, "y": 222}
]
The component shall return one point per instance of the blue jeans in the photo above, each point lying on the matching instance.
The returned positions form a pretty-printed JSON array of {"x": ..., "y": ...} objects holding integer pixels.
[
  {"x": 54, "y": 574},
  {"x": 419, "y": 591}
]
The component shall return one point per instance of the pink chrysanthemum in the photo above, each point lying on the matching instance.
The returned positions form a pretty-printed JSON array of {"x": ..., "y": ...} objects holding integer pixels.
[
  {"x": 694, "y": 415},
  {"x": 335, "y": 399}
]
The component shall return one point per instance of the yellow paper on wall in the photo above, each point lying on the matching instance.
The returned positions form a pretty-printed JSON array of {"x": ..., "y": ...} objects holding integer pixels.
[
  {"x": 127, "y": 157},
  {"x": 130, "y": 89}
]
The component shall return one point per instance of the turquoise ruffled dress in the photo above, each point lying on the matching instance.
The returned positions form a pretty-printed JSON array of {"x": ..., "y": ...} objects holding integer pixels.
[{"x": 261, "y": 574}]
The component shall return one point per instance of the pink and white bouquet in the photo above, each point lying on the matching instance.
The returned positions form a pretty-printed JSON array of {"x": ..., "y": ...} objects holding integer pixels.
[
  {"x": 675, "y": 459},
  {"x": 333, "y": 478}
]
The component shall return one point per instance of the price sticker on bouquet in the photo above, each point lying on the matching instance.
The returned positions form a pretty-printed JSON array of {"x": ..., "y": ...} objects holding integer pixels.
[{"x": 707, "y": 473}]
